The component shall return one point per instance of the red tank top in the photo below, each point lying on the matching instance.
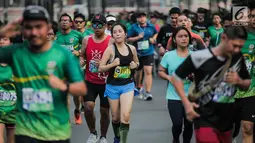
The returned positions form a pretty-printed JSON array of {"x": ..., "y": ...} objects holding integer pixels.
[{"x": 95, "y": 51}]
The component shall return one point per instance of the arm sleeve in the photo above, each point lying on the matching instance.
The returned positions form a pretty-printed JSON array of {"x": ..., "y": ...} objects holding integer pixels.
[
  {"x": 73, "y": 70},
  {"x": 6, "y": 54},
  {"x": 185, "y": 69},
  {"x": 163, "y": 62}
]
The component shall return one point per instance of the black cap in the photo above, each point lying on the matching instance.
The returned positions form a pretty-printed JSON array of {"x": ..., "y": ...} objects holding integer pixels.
[
  {"x": 79, "y": 15},
  {"x": 35, "y": 12},
  {"x": 141, "y": 14},
  {"x": 99, "y": 18}
]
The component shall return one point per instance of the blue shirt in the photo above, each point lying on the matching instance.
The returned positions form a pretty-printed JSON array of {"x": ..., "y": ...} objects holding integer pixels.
[
  {"x": 149, "y": 32},
  {"x": 171, "y": 61}
]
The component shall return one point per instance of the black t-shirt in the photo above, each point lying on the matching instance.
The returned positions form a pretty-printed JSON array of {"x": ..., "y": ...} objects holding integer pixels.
[
  {"x": 216, "y": 106},
  {"x": 201, "y": 28},
  {"x": 164, "y": 34}
]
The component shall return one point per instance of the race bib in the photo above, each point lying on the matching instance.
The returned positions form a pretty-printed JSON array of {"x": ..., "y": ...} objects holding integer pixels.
[
  {"x": 223, "y": 93},
  {"x": 7, "y": 98},
  {"x": 122, "y": 72},
  {"x": 37, "y": 100},
  {"x": 93, "y": 67},
  {"x": 143, "y": 45}
]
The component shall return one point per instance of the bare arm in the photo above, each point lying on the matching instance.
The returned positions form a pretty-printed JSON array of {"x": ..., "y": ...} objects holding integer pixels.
[
  {"x": 244, "y": 84},
  {"x": 133, "y": 39},
  {"x": 162, "y": 73},
  {"x": 103, "y": 66}
]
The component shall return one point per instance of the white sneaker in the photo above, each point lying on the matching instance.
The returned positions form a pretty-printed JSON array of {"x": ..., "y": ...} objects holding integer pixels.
[
  {"x": 141, "y": 94},
  {"x": 148, "y": 97},
  {"x": 234, "y": 140},
  {"x": 103, "y": 140},
  {"x": 92, "y": 138}
]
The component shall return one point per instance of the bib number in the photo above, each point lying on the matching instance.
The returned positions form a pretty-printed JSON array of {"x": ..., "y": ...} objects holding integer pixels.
[
  {"x": 37, "y": 100},
  {"x": 7, "y": 98},
  {"x": 93, "y": 67},
  {"x": 122, "y": 72},
  {"x": 143, "y": 45}
]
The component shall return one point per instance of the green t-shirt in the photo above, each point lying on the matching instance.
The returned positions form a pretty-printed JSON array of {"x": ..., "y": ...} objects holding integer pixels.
[
  {"x": 71, "y": 41},
  {"x": 215, "y": 35},
  {"x": 248, "y": 52},
  {"x": 87, "y": 32},
  {"x": 42, "y": 111},
  {"x": 8, "y": 96}
]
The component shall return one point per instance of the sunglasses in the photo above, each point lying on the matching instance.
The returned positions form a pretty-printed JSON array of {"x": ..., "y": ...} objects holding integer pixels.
[
  {"x": 97, "y": 25},
  {"x": 78, "y": 22}
]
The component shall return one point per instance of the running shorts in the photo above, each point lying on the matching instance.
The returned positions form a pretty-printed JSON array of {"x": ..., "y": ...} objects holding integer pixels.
[
  {"x": 245, "y": 109},
  {"x": 145, "y": 61},
  {"x": 210, "y": 135},
  {"x": 26, "y": 139}
]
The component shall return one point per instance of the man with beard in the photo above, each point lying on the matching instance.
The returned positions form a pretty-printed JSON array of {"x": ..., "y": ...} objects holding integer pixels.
[
  {"x": 41, "y": 93},
  {"x": 166, "y": 31},
  {"x": 71, "y": 40},
  {"x": 93, "y": 48}
]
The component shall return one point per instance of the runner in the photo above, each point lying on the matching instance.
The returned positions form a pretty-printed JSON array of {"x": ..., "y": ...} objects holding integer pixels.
[
  {"x": 215, "y": 30},
  {"x": 93, "y": 48},
  {"x": 120, "y": 85},
  {"x": 169, "y": 63},
  {"x": 42, "y": 96},
  {"x": 110, "y": 21},
  {"x": 197, "y": 41},
  {"x": 71, "y": 40},
  {"x": 8, "y": 99},
  {"x": 217, "y": 73},
  {"x": 145, "y": 35},
  {"x": 79, "y": 24},
  {"x": 166, "y": 31},
  {"x": 245, "y": 99},
  {"x": 201, "y": 24}
]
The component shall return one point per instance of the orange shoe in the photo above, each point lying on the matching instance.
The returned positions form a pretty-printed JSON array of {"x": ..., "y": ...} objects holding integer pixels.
[{"x": 77, "y": 117}]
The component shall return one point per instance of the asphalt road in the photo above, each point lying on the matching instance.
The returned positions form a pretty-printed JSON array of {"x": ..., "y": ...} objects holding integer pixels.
[{"x": 150, "y": 121}]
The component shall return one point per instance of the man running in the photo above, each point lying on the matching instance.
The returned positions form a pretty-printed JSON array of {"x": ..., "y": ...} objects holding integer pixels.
[
  {"x": 166, "y": 31},
  {"x": 93, "y": 48},
  {"x": 39, "y": 66},
  {"x": 217, "y": 73},
  {"x": 71, "y": 40},
  {"x": 215, "y": 30},
  {"x": 197, "y": 42},
  {"x": 79, "y": 24},
  {"x": 145, "y": 35}
]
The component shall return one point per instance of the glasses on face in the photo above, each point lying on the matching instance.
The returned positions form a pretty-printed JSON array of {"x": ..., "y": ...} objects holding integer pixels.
[
  {"x": 64, "y": 20},
  {"x": 97, "y": 25},
  {"x": 78, "y": 22}
]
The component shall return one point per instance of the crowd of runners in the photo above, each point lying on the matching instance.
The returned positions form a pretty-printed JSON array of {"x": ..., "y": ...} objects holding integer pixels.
[{"x": 207, "y": 61}]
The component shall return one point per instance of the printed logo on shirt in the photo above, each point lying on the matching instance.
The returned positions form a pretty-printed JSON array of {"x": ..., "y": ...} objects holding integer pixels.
[
  {"x": 51, "y": 66},
  {"x": 122, "y": 72}
]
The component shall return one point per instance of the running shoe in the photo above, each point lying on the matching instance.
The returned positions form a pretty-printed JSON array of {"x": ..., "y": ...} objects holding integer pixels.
[
  {"x": 141, "y": 93},
  {"x": 116, "y": 140},
  {"x": 92, "y": 138},
  {"x": 234, "y": 140},
  {"x": 77, "y": 117},
  {"x": 103, "y": 140},
  {"x": 148, "y": 97},
  {"x": 82, "y": 109}
]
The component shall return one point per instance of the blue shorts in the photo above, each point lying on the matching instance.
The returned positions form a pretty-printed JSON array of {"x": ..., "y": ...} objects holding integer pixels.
[{"x": 114, "y": 91}]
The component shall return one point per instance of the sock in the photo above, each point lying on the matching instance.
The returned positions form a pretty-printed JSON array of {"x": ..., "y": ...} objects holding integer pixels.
[
  {"x": 148, "y": 92},
  {"x": 124, "y": 128},
  {"x": 95, "y": 133},
  {"x": 116, "y": 129}
]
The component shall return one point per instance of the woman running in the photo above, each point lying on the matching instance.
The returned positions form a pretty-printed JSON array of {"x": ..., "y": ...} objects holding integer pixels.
[
  {"x": 7, "y": 98},
  {"x": 169, "y": 63},
  {"x": 120, "y": 87}
]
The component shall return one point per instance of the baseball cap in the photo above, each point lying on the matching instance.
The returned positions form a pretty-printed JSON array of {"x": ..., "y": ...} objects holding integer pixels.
[
  {"x": 110, "y": 18},
  {"x": 99, "y": 18},
  {"x": 35, "y": 12}
]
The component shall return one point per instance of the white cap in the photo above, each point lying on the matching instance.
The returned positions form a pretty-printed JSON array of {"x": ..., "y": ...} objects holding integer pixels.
[{"x": 110, "y": 18}]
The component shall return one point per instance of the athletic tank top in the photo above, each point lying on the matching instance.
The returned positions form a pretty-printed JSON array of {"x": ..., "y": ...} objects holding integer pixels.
[
  {"x": 95, "y": 51},
  {"x": 122, "y": 74}
]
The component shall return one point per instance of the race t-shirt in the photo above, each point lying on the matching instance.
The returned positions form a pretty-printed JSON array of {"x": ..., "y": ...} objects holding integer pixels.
[
  {"x": 216, "y": 105},
  {"x": 201, "y": 28},
  {"x": 87, "y": 32},
  {"x": 248, "y": 53},
  {"x": 8, "y": 96},
  {"x": 71, "y": 41},
  {"x": 42, "y": 111},
  {"x": 164, "y": 34},
  {"x": 215, "y": 35},
  {"x": 170, "y": 61}
]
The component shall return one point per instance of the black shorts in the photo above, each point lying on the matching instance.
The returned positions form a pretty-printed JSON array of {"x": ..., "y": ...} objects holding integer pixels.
[
  {"x": 26, "y": 139},
  {"x": 93, "y": 91},
  {"x": 145, "y": 61},
  {"x": 245, "y": 109}
]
